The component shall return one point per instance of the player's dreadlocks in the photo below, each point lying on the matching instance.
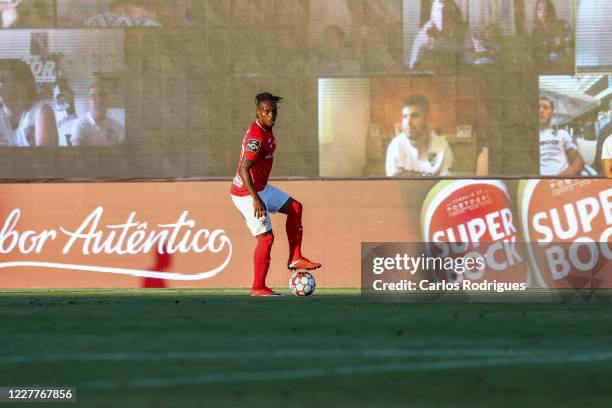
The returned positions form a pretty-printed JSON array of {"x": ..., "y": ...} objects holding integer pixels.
[{"x": 266, "y": 97}]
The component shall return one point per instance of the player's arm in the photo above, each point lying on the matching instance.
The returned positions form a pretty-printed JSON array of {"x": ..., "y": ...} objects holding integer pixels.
[
  {"x": 120, "y": 133},
  {"x": 420, "y": 42},
  {"x": 78, "y": 134},
  {"x": 392, "y": 168},
  {"x": 606, "y": 153},
  {"x": 576, "y": 166},
  {"x": 448, "y": 161},
  {"x": 46, "y": 128},
  {"x": 259, "y": 207},
  {"x": 482, "y": 162},
  {"x": 607, "y": 167}
]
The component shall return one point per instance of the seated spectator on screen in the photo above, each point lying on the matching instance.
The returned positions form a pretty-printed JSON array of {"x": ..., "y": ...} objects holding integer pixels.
[
  {"x": 127, "y": 13},
  {"x": 551, "y": 38},
  {"x": 487, "y": 45},
  {"x": 29, "y": 122},
  {"x": 559, "y": 154},
  {"x": 96, "y": 128},
  {"x": 416, "y": 151},
  {"x": 443, "y": 41},
  {"x": 482, "y": 13}
]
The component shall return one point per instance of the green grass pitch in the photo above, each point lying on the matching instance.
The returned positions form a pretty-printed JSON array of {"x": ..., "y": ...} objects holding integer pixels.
[{"x": 196, "y": 348}]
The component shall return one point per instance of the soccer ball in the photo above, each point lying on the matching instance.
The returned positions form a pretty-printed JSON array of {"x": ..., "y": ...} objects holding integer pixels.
[{"x": 302, "y": 283}]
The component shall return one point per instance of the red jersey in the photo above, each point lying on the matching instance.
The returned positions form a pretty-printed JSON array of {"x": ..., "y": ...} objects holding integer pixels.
[{"x": 258, "y": 145}]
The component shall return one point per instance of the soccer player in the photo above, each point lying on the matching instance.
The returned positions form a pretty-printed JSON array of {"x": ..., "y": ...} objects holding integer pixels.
[
  {"x": 415, "y": 151},
  {"x": 256, "y": 199},
  {"x": 556, "y": 146}
]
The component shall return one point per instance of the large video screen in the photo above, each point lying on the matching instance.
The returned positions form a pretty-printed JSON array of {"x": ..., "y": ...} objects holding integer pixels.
[
  {"x": 62, "y": 87},
  {"x": 459, "y": 35},
  {"x": 573, "y": 124},
  {"x": 157, "y": 89},
  {"x": 406, "y": 126}
]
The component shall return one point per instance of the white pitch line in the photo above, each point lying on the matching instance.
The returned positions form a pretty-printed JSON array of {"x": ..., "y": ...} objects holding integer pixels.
[
  {"x": 224, "y": 355},
  {"x": 341, "y": 371}
]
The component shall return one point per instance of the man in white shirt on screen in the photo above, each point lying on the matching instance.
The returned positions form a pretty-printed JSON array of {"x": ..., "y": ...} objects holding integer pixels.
[
  {"x": 96, "y": 128},
  {"x": 558, "y": 153},
  {"x": 415, "y": 151}
]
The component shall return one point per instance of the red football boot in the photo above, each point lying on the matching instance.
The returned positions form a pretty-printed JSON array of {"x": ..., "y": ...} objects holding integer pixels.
[
  {"x": 264, "y": 292},
  {"x": 303, "y": 263}
]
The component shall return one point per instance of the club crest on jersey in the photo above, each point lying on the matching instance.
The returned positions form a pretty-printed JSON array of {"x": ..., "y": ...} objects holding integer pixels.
[
  {"x": 253, "y": 145},
  {"x": 432, "y": 158}
]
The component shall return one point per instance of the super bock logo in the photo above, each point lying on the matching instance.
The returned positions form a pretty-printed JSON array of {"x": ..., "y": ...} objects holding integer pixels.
[
  {"x": 132, "y": 237},
  {"x": 569, "y": 223},
  {"x": 468, "y": 218}
]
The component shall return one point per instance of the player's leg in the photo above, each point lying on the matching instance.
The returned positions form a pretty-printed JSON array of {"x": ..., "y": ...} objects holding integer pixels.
[
  {"x": 293, "y": 226},
  {"x": 261, "y": 229},
  {"x": 293, "y": 209},
  {"x": 261, "y": 262},
  {"x": 277, "y": 200}
]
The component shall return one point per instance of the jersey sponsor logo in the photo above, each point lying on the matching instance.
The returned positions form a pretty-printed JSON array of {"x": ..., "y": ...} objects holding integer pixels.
[
  {"x": 237, "y": 181},
  {"x": 415, "y": 173},
  {"x": 550, "y": 142},
  {"x": 253, "y": 145}
]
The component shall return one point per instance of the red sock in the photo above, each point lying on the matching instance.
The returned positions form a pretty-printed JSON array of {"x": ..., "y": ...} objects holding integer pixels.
[
  {"x": 261, "y": 259},
  {"x": 294, "y": 230}
]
